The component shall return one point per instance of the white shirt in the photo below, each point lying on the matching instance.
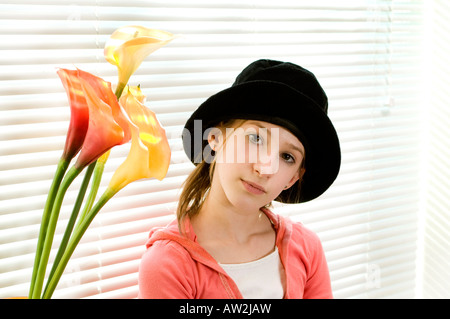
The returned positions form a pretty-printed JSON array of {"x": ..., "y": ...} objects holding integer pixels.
[{"x": 260, "y": 279}]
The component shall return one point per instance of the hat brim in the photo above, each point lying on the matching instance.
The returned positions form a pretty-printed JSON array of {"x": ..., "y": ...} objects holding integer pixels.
[{"x": 279, "y": 104}]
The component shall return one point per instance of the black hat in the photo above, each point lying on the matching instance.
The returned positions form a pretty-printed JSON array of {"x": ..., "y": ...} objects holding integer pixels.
[{"x": 287, "y": 95}]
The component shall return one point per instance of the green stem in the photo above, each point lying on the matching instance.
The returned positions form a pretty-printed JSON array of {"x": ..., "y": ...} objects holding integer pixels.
[
  {"x": 68, "y": 179},
  {"x": 73, "y": 217},
  {"x": 44, "y": 241},
  {"x": 75, "y": 239},
  {"x": 119, "y": 89},
  {"x": 60, "y": 170},
  {"x": 98, "y": 172}
]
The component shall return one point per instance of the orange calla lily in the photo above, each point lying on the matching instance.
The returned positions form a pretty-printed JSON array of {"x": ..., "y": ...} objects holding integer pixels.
[
  {"x": 98, "y": 122},
  {"x": 129, "y": 46},
  {"x": 108, "y": 124},
  {"x": 79, "y": 113},
  {"x": 149, "y": 154}
]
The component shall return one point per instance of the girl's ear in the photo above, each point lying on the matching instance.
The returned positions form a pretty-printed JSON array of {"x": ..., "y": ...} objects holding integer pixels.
[
  {"x": 215, "y": 138},
  {"x": 295, "y": 178}
]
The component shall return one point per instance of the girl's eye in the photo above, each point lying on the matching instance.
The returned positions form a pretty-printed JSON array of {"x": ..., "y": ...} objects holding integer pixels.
[
  {"x": 255, "y": 138},
  {"x": 288, "y": 158}
]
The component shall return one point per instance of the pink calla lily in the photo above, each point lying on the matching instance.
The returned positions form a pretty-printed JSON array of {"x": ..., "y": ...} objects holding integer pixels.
[
  {"x": 108, "y": 124},
  {"x": 99, "y": 122},
  {"x": 79, "y": 113}
]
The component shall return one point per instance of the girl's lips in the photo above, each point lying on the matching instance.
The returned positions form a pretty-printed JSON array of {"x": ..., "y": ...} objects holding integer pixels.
[{"x": 253, "y": 188}]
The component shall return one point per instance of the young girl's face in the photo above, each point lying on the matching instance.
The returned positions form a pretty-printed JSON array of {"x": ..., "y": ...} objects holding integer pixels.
[{"x": 255, "y": 162}]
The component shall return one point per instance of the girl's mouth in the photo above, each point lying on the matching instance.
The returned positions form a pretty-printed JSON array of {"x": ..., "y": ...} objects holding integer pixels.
[{"x": 253, "y": 188}]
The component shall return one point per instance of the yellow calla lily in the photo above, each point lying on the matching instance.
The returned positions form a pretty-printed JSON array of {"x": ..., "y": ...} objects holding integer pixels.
[
  {"x": 149, "y": 154},
  {"x": 99, "y": 122},
  {"x": 129, "y": 46},
  {"x": 137, "y": 93}
]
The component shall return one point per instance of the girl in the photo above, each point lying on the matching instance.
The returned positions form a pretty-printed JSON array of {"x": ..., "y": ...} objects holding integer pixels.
[{"x": 267, "y": 137}]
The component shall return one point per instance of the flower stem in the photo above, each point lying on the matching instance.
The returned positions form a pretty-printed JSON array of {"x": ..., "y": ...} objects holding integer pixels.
[
  {"x": 73, "y": 217},
  {"x": 75, "y": 239},
  {"x": 98, "y": 172},
  {"x": 68, "y": 179},
  {"x": 60, "y": 170},
  {"x": 119, "y": 89}
]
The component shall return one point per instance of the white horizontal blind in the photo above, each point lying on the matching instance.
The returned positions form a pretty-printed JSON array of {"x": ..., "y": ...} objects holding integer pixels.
[
  {"x": 436, "y": 278},
  {"x": 365, "y": 53},
  {"x": 367, "y": 221}
]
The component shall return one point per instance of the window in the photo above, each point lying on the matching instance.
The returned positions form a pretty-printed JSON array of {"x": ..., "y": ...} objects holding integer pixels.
[
  {"x": 367, "y": 55},
  {"x": 435, "y": 215}
]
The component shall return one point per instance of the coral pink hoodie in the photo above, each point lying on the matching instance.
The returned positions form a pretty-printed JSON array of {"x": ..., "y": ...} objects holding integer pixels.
[{"x": 177, "y": 267}]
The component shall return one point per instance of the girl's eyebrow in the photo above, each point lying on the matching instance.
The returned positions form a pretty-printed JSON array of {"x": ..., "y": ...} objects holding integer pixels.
[
  {"x": 289, "y": 144},
  {"x": 258, "y": 125},
  {"x": 295, "y": 147},
  {"x": 268, "y": 130}
]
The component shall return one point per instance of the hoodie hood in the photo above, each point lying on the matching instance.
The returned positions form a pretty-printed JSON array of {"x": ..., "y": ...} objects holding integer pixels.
[
  {"x": 197, "y": 252},
  {"x": 176, "y": 266}
]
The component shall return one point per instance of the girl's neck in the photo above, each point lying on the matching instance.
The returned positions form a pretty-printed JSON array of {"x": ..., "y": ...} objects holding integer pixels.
[
  {"x": 233, "y": 236},
  {"x": 229, "y": 223}
]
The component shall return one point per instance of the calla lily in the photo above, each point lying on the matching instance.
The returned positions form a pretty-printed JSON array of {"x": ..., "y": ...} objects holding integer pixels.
[
  {"x": 79, "y": 122},
  {"x": 129, "y": 46},
  {"x": 79, "y": 113},
  {"x": 108, "y": 124},
  {"x": 149, "y": 154},
  {"x": 99, "y": 122},
  {"x": 137, "y": 93}
]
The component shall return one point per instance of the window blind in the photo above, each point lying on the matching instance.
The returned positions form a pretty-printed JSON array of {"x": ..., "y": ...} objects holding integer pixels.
[
  {"x": 366, "y": 54},
  {"x": 436, "y": 221}
]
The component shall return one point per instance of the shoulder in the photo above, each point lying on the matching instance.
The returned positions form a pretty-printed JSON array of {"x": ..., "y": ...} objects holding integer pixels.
[
  {"x": 306, "y": 248},
  {"x": 165, "y": 249},
  {"x": 293, "y": 231},
  {"x": 301, "y": 237},
  {"x": 164, "y": 252},
  {"x": 166, "y": 271},
  {"x": 300, "y": 231}
]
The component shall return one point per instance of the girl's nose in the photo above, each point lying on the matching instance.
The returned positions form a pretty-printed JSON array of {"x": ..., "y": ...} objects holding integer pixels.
[{"x": 266, "y": 164}]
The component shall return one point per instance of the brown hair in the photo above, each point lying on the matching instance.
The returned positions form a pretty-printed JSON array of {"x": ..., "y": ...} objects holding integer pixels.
[{"x": 198, "y": 183}]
